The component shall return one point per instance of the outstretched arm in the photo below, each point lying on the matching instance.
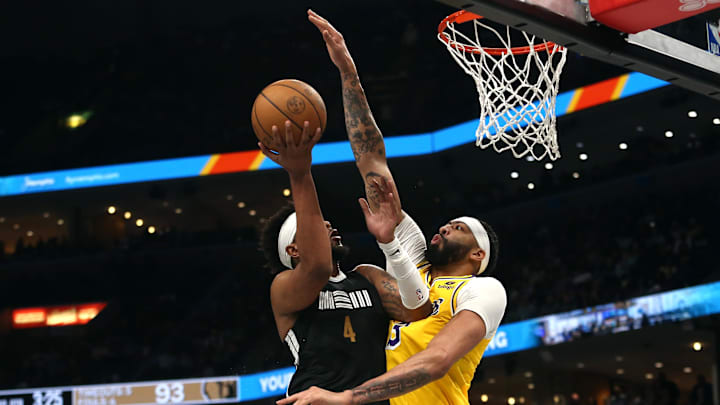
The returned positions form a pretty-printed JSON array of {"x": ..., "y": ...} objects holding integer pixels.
[
  {"x": 365, "y": 137},
  {"x": 456, "y": 339},
  {"x": 292, "y": 291}
]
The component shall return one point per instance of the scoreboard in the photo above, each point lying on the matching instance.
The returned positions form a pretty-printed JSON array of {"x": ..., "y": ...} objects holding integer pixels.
[
  {"x": 214, "y": 390},
  {"x": 218, "y": 390}
]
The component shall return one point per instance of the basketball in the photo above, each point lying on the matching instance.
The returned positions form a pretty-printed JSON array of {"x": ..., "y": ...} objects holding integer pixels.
[{"x": 284, "y": 100}]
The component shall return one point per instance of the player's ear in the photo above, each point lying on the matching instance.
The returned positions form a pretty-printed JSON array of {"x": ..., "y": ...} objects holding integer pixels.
[
  {"x": 477, "y": 255},
  {"x": 292, "y": 250}
]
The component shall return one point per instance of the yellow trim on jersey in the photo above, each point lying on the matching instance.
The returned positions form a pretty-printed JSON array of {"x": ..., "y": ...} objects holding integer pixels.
[{"x": 422, "y": 265}]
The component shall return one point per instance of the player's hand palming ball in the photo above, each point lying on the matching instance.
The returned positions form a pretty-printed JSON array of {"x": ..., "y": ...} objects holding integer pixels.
[{"x": 284, "y": 100}]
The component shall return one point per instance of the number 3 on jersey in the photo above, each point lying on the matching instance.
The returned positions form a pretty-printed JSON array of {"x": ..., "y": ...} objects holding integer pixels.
[
  {"x": 394, "y": 340},
  {"x": 348, "y": 331}
]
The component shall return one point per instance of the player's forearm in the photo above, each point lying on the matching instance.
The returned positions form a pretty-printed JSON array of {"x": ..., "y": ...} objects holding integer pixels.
[
  {"x": 365, "y": 137},
  {"x": 416, "y": 372},
  {"x": 311, "y": 237}
]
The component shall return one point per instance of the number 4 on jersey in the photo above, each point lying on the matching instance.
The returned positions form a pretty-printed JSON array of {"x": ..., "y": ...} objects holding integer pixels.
[{"x": 348, "y": 331}]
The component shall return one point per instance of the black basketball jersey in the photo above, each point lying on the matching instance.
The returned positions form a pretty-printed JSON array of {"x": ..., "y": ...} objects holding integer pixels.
[{"x": 339, "y": 341}]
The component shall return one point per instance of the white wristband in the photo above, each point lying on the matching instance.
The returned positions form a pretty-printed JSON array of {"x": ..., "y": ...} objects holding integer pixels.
[{"x": 413, "y": 291}]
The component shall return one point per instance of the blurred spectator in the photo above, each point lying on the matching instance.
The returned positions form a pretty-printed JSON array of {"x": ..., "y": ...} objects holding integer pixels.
[{"x": 701, "y": 393}]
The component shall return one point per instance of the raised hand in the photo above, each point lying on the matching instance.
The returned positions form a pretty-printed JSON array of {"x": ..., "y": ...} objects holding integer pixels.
[
  {"x": 388, "y": 215},
  {"x": 294, "y": 155},
  {"x": 339, "y": 53}
]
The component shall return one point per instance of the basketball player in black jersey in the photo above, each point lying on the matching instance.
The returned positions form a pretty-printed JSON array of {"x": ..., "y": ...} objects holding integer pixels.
[{"x": 335, "y": 323}]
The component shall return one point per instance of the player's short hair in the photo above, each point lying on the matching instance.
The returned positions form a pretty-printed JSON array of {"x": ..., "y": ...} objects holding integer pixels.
[
  {"x": 269, "y": 239},
  {"x": 494, "y": 248}
]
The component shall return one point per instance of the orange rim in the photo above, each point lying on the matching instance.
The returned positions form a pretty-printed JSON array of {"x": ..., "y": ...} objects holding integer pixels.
[{"x": 464, "y": 16}]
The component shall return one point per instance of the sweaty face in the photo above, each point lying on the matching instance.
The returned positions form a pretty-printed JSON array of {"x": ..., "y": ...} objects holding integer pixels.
[{"x": 451, "y": 245}]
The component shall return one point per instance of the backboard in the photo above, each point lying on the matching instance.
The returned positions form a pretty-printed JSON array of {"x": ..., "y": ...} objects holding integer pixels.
[{"x": 675, "y": 52}]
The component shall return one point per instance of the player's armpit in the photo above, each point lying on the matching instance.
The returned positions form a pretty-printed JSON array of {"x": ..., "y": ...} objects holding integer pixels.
[{"x": 387, "y": 288}]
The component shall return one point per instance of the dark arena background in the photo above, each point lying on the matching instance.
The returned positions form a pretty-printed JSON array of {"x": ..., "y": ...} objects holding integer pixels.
[{"x": 132, "y": 194}]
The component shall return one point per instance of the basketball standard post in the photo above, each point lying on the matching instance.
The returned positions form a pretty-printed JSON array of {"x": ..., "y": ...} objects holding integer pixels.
[{"x": 568, "y": 23}]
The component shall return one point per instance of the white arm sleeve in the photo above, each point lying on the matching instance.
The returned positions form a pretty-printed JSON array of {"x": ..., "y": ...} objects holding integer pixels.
[
  {"x": 413, "y": 290},
  {"x": 486, "y": 297},
  {"x": 411, "y": 239}
]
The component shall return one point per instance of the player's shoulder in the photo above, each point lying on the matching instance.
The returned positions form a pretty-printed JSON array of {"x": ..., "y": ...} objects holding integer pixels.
[
  {"x": 485, "y": 285},
  {"x": 369, "y": 271}
]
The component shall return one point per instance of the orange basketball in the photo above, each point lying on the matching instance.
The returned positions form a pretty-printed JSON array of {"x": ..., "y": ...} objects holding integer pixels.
[{"x": 284, "y": 100}]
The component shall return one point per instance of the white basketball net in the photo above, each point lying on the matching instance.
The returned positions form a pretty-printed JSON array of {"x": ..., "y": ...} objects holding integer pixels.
[{"x": 516, "y": 92}]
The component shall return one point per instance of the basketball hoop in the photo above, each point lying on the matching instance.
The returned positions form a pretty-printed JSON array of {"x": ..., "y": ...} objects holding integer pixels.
[{"x": 516, "y": 86}]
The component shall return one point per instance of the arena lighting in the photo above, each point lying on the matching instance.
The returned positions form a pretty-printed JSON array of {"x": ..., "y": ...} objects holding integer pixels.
[
  {"x": 697, "y": 346},
  {"x": 531, "y": 386},
  {"x": 623, "y": 146},
  {"x": 252, "y": 213},
  {"x": 514, "y": 175},
  {"x": 16, "y": 227},
  {"x": 484, "y": 398},
  {"x": 548, "y": 166},
  {"x": 581, "y": 365},
  {"x": 576, "y": 175},
  {"x": 687, "y": 370},
  {"x": 669, "y": 134},
  {"x": 229, "y": 197},
  {"x": 531, "y": 186},
  {"x": 580, "y": 145},
  {"x": 716, "y": 121},
  {"x": 692, "y": 114},
  {"x": 127, "y": 215},
  {"x": 491, "y": 381},
  {"x": 556, "y": 399},
  {"x": 286, "y": 192},
  {"x": 619, "y": 358},
  {"x": 658, "y": 364},
  {"x": 46, "y": 214},
  {"x": 241, "y": 204},
  {"x": 111, "y": 210},
  {"x": 575, "y": 396},
  {"x": 60, "y": 222},
  {"x": 75, "y": 121},
  {"x": 151, "y": 229},
  {"x": 530, "y": 159},
  {"x": 30, "y": 234},
  {"x": 178, "y": 211},
  {"x": 521, "y": 400},
  {"x": 2, "y": 220},
  {"x": 511, "y": 400},
  {"x": 139, "y": 222},
  {"x": 649, "y": 376},
  {"x": 528, "y": 374},
  {"x": 583, "y": 156},
  {"x": 620, "y": 371}
]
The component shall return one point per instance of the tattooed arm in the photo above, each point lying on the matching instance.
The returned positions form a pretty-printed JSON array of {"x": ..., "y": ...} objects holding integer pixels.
[
  {"x": 387, "y": 288},
  {"x": 457, "y": 338},
  {"x": 364, "y": 135}
]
